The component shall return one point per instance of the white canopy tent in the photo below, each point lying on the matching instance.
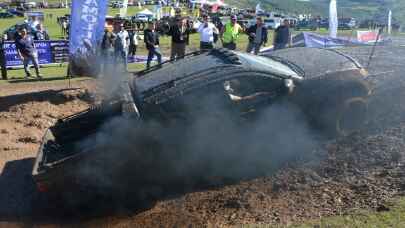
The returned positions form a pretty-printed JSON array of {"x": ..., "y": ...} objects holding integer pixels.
[{"x": 145, "y": 12}]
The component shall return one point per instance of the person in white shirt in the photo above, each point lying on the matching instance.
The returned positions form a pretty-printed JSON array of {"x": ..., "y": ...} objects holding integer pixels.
[
  {"x": 121, "y": 45},
  {"x": 134, "y": 42},
  {"x": 207, "y": 31}
]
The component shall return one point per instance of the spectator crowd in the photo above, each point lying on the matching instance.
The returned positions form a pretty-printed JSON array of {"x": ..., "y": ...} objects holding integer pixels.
[{"x": 119, "y": 44}]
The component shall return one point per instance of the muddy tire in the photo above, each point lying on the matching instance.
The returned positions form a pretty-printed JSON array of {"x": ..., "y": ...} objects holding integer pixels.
[{"x": 351, "y": 116}]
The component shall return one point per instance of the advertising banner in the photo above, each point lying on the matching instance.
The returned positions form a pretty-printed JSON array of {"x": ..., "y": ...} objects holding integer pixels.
[
  {"x": 49, "y": 51},
  {"x": 87, "y": 24},
  {"x": 367, "y": 36},
  {"x": 86, "y": 33}
]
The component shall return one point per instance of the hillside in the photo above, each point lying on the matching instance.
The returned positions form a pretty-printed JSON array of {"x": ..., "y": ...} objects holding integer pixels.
[{"x": 360, "y": 9}]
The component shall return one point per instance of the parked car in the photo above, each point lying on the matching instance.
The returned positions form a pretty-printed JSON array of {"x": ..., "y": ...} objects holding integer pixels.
[
  {"x": 150, "y": 2},
  {"x": 347, "y": 23},
  {"x": 307, "y": 25},
  {"x": 141, "y": 18},
  {"x": 117, "y": 4},
  {"x": 272, "y": 23},
  {"x": 30, "y": 5},
  {"x": 19, "y": 12},
  {"x": 6, "y": 15},
  {"x": 11, "y": 31},
  {"x": 203, "y": 85}
]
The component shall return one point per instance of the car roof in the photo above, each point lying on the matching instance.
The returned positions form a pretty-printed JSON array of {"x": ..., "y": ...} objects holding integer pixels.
[
  {"x": 316, "y": 62},
  {"x": 198, "y": 65}
]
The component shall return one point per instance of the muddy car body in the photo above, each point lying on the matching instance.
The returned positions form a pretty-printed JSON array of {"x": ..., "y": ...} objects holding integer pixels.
[{"x": 179, "y": 90}]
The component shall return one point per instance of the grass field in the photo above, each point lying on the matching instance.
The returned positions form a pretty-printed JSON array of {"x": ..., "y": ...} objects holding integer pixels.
[
  {"x": 395, "y": 217},
  {"x": 55, "y": 32}
]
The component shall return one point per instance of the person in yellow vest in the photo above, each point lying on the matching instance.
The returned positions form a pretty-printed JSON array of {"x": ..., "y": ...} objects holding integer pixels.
[{"x": 230, "y": 33}]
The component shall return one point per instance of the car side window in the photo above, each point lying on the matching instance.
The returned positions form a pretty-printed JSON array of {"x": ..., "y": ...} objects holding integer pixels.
[{"x": 251, "y": 87}]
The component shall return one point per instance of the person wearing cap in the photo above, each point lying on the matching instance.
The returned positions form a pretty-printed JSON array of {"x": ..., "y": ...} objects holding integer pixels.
[
  {"x": 180, "y": 38},
  {"x": 27, "y": 52},
  {"x": 207, "y": 30},
  {"x": 151, "y": 39},
  {"x": 257, "y": 36},
  {"x": 121, "y": 45},
  {"x": 230, "y": 33}
]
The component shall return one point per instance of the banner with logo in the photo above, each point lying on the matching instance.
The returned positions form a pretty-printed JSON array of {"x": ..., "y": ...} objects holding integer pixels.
[
  {"x": 49, "y": 51},
  {"x": 87, "y": 24},
  {"x": 86, "y": 33}
]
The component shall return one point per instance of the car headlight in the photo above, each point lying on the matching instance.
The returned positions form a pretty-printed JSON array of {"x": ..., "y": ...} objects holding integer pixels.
[{"x": 289, "y": 83}]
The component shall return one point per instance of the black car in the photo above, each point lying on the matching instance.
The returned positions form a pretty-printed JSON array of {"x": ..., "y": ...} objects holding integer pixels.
[
  {"x": 19, "y": 12},
  {"x": 6, "y": 15},
  {"x": 221, "y": 87},
  {"x": 307, "y": 25},
  {"x": 346, "y": 23}
]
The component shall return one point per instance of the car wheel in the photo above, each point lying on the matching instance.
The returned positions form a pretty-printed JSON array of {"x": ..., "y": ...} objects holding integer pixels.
[{"x": 351, "y": 116}]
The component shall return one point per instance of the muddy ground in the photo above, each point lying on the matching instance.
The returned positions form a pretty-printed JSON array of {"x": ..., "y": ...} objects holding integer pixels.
[{"x": 362, "y": 171}]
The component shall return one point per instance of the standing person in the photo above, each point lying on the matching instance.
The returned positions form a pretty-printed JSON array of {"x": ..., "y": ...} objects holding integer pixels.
[
  {"x": 282, "y": 36},
  {"x": 107, "y": 49},
  {"x": 151, "y": 39},
  {"x": 257, "y": 36},
  {"x": 40, "y": 33},
  {"x": 180, "y": 38},
  {"x": 64, "y": 27},
  {"x": 207, "y": 30},
  {"x": 230, "y": 33},
  {"x": 121, "y": 45},
  {"x": 133, "y": 43},
  {"x": 3, "y": 60},
  {"x": 27, "y": 52}
]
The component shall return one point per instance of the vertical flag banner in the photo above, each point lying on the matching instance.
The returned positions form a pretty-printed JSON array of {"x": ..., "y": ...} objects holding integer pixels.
[
  {"x": 333, "y": 19},
  {"x": 87, "y": 24},
  {"x": 86, "y": 33},
  {"x": 389, "y": 22},
  {"x": 258, "y": 9},
  {"x": 123, "y": 10}
]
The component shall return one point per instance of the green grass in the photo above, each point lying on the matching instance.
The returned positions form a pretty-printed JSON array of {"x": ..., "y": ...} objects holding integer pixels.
[
  {"x": 51, "y": 25},
  {"x": 395, "y": 217}
]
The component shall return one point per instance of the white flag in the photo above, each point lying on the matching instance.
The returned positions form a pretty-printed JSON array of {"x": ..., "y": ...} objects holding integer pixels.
[
  {"x": 123, "y": 10},
  {"x": 389, "y": 22},
  {"x": 258, "y": 9},
  {"x": 333, "y": 19}
]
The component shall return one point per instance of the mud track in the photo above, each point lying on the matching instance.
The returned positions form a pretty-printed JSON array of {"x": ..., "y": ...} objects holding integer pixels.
[{"x": 362, "y": 171}]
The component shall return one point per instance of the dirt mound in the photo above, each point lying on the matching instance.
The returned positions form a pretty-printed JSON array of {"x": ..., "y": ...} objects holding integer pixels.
[{"x": 25, "y": 112}]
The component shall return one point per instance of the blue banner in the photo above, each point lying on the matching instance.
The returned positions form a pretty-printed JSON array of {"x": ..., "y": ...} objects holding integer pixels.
[
  {"x": 49, "y": 51},
  {"x": 307, "y": 39},
  {"x": 87, "y": 25}
]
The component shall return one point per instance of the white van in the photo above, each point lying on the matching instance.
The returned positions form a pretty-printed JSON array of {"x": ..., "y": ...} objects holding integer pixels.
[{"x": 272, "y": 23}]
